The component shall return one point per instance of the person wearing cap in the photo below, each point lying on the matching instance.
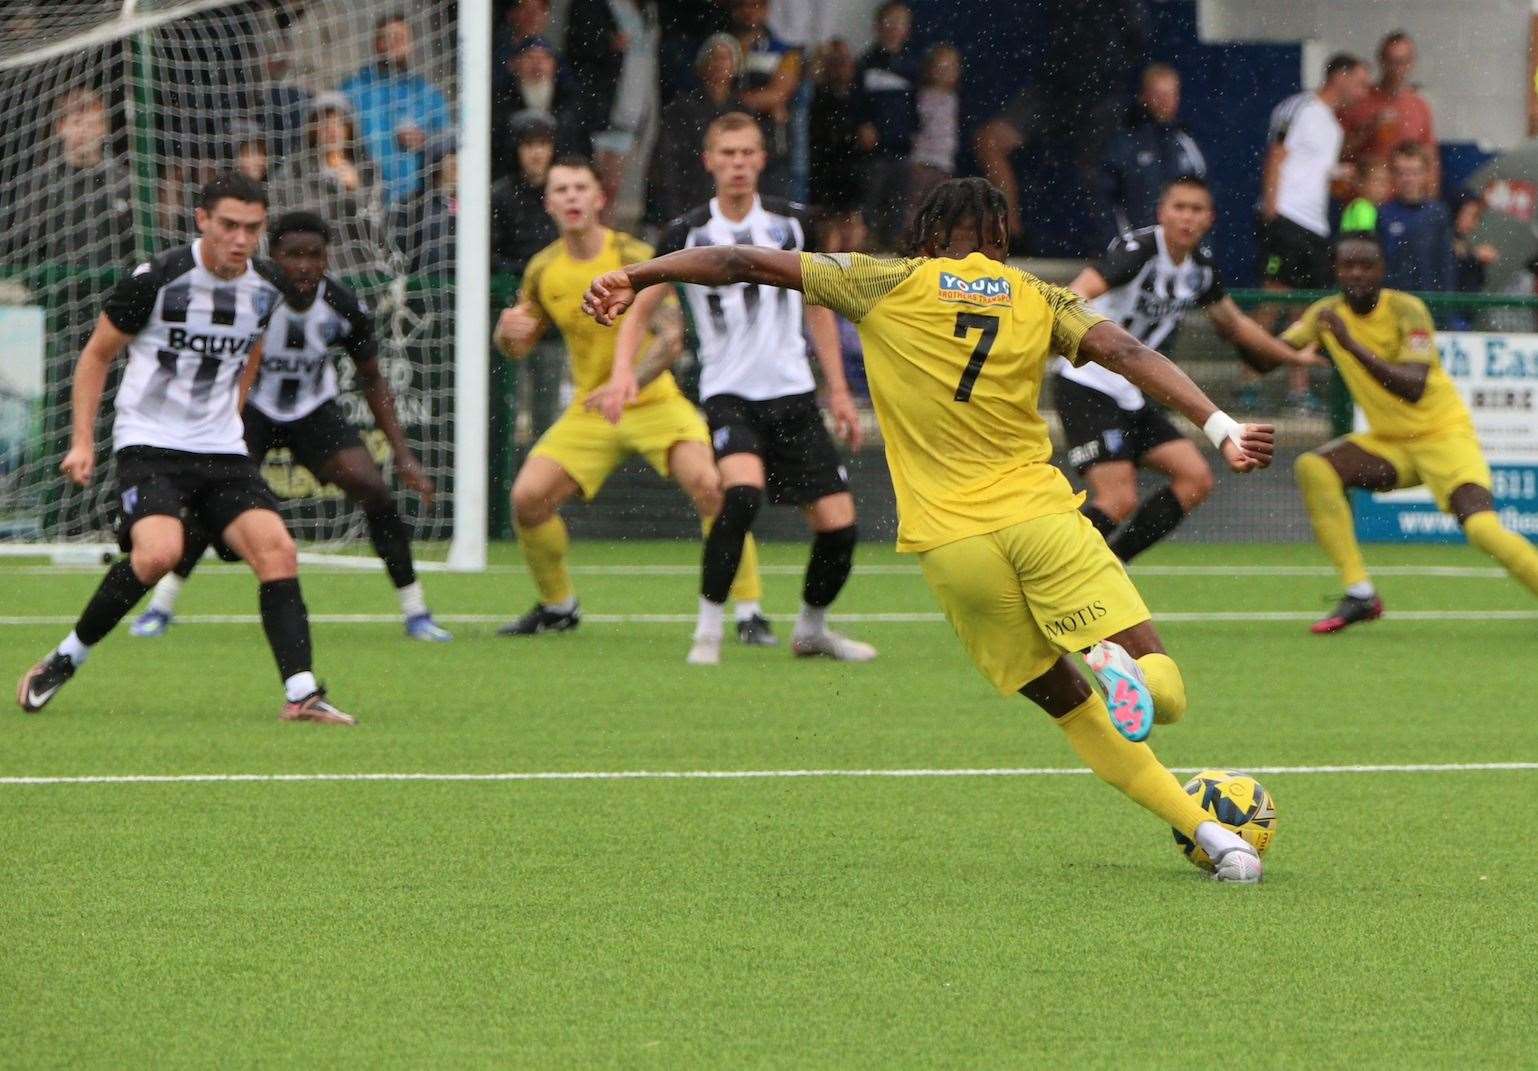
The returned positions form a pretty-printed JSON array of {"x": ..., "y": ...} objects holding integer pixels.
[
  {"x": 678, "y": 180},
  {"x": 532, "y": 81},
  {"x": 397, "y": 109}
]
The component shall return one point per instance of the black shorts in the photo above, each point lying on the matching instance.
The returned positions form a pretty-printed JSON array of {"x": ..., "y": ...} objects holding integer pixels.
[
  {"x": 205, "y": 490},
  {"x": 313, "y": 439},
  {"x": 1294, "y": 255},
  {"x": 801, "y": 464},
  {"x": 1098, "y": 430}
]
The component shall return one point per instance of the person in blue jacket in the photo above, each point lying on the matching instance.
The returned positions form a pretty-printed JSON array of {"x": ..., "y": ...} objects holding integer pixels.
[{"x": 398, "y": 110}]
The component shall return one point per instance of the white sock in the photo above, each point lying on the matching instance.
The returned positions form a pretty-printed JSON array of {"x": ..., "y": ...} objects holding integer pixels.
[
  {"x": 74, "y": 650},
  {"x": 709, "y": 621},
  {"x": 747, "y": 611},
  {"x": 1363, "y": 590},
  {"x": 812, "y": 622},
  {"x": 566, "y": 606},
  {"x": 164, "y": 597},
  {"x": 1215, "y": 839},
  {"x": 300, "y": 685},
  {"x": 413, "y": 602}
]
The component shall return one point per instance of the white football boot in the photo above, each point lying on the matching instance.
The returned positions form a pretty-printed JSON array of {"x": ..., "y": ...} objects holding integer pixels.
[
  {"x": 1237, "y": 866},
  {"x": 832, "y": 645},
  {"x": 1234, "y": 859},
  {"x": 706, "y": 650}
]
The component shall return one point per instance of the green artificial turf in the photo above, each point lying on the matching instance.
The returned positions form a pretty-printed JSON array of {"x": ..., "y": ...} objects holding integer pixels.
[{"x": 836, "y": 921}]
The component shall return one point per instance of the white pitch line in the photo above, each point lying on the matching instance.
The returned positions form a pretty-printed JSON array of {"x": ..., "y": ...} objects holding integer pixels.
[
  {"x": 1194, "y": 617},
  {"x": 731, "y": 775},
  {"x": 334, "y": 567}
]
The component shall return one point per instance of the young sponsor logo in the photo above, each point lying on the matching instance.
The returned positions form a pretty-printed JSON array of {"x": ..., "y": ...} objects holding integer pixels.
[
  {"x": 130, "y": 500},
  {"x": 990, "y": 290}
]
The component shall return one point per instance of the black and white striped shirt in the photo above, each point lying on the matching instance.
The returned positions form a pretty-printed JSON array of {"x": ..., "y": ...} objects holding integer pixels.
[
  {"x": 298, "y": 375},
  {"x": 193, "y": 333},
  {"x": 1149, "y": 295},
  {"x": 750, "y": 336}
]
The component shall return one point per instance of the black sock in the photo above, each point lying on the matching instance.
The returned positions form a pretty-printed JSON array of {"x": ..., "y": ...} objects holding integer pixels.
[
  {"x": 287, "y": 624},
  {"x": 1100, "y": 519},
  {"x": 1158, "y": 516},
  {"x": 828, "y": 568},
  {"x": 392, "y": 542},
  {"x": 723, "y": 546},
  {"x": 119, "y": 591},
  {"x": 196, "y": 544}
]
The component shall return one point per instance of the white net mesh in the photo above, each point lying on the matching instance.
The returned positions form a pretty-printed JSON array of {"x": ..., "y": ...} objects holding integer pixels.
[{"x": 111, "y": 119}]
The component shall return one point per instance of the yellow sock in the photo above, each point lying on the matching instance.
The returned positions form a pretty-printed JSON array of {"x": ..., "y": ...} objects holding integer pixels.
[
  {"x": 1516, "y": 554},
  {"x": 747, "y": 585},
  {"x": 1131, "y": 768},
  {"x": 1325, "y": 497},
  {"x": 1167, "y": 685},
  {"x": 544, "y": 549}
]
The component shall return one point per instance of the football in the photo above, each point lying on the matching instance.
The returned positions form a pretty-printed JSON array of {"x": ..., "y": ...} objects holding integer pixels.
[{"x": 1237, "y": 801}]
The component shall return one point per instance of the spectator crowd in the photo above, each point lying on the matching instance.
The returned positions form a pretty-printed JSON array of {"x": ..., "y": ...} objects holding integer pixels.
[{"x": 862, "y": 137}]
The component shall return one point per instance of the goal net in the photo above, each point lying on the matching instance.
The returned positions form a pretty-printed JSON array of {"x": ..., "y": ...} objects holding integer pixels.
[{"x": 113, "y": 113}]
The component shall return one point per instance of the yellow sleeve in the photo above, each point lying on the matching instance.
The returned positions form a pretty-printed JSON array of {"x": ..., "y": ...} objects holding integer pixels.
[
  {"x": 1072, "y": 317},
  {"x": 1305, "y": 329},
  {"x": 631, "y": 249},
  {"x": 528, "y": 286},
  {"x": 851, "y": 284},
  {"x": 1417, "y": 334}
]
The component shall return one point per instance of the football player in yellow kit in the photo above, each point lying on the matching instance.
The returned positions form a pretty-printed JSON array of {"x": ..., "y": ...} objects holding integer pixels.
[
  {"x": 1418, "y": 429},
  {"x": 956, "y": 345},
  {"x": 579, "y": 451}
]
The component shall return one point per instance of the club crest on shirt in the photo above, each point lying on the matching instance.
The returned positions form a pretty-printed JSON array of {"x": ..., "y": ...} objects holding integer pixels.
[
  {"x": 1419, "y": 342},
  {"x": 261, "y": 302},
  {"x": 991, "y": 290}
]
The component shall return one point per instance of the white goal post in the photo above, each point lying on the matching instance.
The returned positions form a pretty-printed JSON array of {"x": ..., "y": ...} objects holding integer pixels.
[{"x": 112, "y": 113}]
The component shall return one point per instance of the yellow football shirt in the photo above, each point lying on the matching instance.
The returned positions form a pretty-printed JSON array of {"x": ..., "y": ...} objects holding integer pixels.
[
  {"x": 553, "y": 284},
  {"x": 1399, "y": 329},
  {"x": 955, "y": 353}
]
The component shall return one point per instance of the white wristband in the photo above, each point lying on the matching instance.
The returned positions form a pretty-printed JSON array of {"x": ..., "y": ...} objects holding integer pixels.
[{"x": 1221, "y": 426}]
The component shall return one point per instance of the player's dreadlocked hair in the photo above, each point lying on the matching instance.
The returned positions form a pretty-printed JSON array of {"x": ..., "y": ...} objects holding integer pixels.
[{"x": 953, "y": 203}]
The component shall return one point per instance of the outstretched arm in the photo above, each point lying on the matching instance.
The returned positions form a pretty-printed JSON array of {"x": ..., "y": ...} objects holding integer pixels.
[
  {"x": 1244, "y": 446},
  {"x": 1262, "y": 350},
  {"x": 823, "y": 328},
  {"x": 381, "y": 402},
  {"x": 719, "y": 265},
  {"x": 105, "y": 343}
]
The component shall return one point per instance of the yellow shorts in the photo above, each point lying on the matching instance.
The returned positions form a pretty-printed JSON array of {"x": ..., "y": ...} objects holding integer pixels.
[
  {"x": 1443, "y": 464},
  {"x": 1022, "y": 597},
  {"x": 589, "y": 448}
]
